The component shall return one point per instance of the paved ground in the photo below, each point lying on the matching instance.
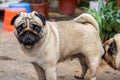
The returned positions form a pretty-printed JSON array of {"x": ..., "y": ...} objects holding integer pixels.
[{"x": 65, "y": 70}]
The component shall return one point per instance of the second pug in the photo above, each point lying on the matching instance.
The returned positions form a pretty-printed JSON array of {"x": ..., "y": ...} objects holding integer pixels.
[
  {"x": 46, "y": 43},
  {"x": 112, "y": 51}
]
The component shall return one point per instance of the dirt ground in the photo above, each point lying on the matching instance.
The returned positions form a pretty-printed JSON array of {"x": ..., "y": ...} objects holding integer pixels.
[{"x": 65, "y": 70}]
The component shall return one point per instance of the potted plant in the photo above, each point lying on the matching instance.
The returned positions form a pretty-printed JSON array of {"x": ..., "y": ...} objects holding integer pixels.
[
  {"x": 118, "y": 3},
  {"x": 38, "y": 5},
  {"x": 108, "y": 18},
  {"x": 67, "y": 6}
]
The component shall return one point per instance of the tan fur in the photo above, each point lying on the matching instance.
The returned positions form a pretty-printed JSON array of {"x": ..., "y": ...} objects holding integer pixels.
[
  {"x": 86, "y": 18},
  {"x": 65, "y": 39},
  {"x": 115, "y": 58}
]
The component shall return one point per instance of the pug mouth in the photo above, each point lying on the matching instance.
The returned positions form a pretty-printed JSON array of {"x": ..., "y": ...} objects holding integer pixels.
[{"x": 28, "y": 38}]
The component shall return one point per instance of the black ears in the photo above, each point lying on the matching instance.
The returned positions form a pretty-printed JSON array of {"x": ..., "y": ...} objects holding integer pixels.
[
  {"x": 14, "y": 18},
  {"x": 113, "y": 48},
  {"x": 41, "y": 16}
]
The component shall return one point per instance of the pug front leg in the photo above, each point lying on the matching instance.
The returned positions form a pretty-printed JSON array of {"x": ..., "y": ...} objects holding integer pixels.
[{"x": 51, "y": 73}]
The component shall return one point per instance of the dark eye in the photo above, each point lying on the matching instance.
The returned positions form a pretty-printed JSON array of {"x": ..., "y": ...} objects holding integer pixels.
[
  {"x": 19, "y": 28},
  {"x": 36, "y": 28}
]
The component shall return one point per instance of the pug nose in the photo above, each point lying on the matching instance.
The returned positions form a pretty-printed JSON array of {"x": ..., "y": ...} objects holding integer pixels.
[
  {"x": 29, "y": 41},
  {"x": 28, "y": 32}
]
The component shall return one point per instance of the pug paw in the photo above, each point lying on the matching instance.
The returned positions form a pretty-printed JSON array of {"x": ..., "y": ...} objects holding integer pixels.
[{"x": 78, "y": 77}]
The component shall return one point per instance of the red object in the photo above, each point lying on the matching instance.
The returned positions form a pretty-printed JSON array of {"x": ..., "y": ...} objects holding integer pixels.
[
  {"x": 8, "y": 15},
  {"x": 67, "y": 6},
  {"x": 40, "y": 7},
  {"x": 118, "y": 3}
]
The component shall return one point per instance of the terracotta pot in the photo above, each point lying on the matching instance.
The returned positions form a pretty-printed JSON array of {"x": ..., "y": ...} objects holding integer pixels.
[
  {"x": 40, "y": 8},
  {"x": 67, "y": 6},
  {"x": 118, "y": 3}
]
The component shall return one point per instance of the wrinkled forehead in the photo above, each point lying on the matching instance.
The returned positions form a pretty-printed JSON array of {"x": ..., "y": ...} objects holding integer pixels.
[{"x": 28, "y": 19}]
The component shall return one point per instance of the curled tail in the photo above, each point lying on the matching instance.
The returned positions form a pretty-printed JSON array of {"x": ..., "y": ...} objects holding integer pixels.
[{"x": 87, "y": 18}]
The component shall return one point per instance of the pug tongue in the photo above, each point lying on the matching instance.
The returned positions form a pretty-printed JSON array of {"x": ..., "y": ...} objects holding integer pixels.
[{"x": 28, "y": 46}]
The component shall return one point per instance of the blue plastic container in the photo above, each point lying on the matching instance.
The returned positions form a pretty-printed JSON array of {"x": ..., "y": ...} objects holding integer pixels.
[{"x": 20, "y": 5}]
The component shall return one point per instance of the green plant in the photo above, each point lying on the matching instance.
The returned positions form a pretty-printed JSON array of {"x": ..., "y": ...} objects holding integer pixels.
[{"x": 108, "y": 18}]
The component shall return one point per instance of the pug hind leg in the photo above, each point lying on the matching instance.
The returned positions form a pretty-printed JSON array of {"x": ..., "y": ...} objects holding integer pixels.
[
  {"x": 93, "y": 66},
  {"x": 84, "y": 68},
  {"x": 51, "y": 73}
]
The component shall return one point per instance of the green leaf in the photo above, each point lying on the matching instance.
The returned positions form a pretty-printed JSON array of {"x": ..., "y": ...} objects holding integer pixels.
[
  {"x": 118, "y": 20},
  {"x": 108, "y": 18}
]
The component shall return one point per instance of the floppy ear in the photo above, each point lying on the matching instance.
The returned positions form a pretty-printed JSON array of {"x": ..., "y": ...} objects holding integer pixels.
[
  {"x": 14, "y": 18},
  {"x": 113, "y": 48},
  {"x": 103, "y": 56},
  {"x": 41, "y": 16}
]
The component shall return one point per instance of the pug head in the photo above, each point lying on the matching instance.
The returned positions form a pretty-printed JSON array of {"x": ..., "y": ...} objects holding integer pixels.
[
  {"x": 112, "y": 55},
  {"x": 29, "y": 27}
]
